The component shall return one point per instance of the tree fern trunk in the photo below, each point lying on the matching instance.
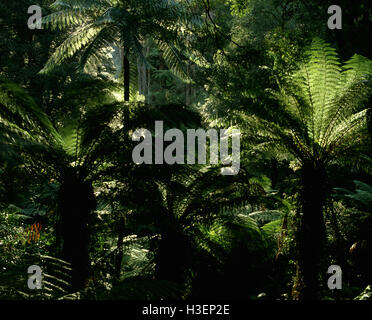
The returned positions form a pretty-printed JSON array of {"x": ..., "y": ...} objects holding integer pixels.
[
  {"x": 187, "y": 100},
  {"x": 119, "y": 256},
  {"x": 188, "y": 91},
  {"x": 173, "y": 255},
  {"x": 274, "y": 172},
  {"x": 139, "y": 72},
  {"x": 148, "y": 86},
  {"x": 76, "y": 200},
  {"x": 126, "y": 70},
  {"x": 144, "y": 81},
  {"x": 312, "y": 232}
]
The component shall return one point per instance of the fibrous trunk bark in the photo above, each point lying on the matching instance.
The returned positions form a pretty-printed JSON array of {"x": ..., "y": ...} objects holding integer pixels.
[
  {"x": 76, "y": 201},
  {"x": 173, "y": 255},
  {"x": 119, "y": 256},
  {"x": 126, "y": 70},
  {"x": 312, "y": 232}
]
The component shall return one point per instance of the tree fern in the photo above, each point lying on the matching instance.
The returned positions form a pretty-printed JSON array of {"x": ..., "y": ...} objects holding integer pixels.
[
  {"x": 101, "y": 24},
  {"x": 321, "y": 118},
  {"x": 322, "y": 104}
]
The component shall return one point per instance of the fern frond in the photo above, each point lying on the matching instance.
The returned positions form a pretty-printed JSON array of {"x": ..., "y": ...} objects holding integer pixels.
[
  {"x": 322, "y": 104},
  {"x": 96, "y": 51},
  {"x": 62, "y": 20},
  {"x": 347, "y": 132},
  {"x": 173, "y": 59},
  {"x": 263, "y": 217},
  {"x": 78, "y": 40},
  {"x": 322, "y": 81},
  {"x": 70, "y": 138},
  {"x": 22, "y": 115},
  {"x": 81, "y": 4}
]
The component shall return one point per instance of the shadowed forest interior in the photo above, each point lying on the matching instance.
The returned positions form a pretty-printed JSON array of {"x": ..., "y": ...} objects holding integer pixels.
[{"x": 77, "y": 84}]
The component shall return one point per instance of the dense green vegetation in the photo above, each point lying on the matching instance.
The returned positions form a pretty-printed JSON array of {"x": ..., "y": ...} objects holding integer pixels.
[{"x": 100, "y": 226}]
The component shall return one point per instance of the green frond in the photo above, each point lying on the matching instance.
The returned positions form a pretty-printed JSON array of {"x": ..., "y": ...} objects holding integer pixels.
[
  {"x": 366, "y": 294},
  {"x": 78, "y": 40},
  {"x": 268, "y": 135},
  {"x": 21, "y": 114},
  {"x": 273, "y": 228},
  {"x": 96, "y": 130},
  {"x": 361, "y": 196},
  {"x": 322, "y": 76},
  {"x": 323, "y": 104},
  {"x": 56, "y": 275},
  {"x": 357, "y": 68},
  {"x": 220, "y": 237},
  {"x": 348, "y": 131},
  {"x": 62, "y": 20},
  {"x": 70, "y": 138},
  {"x": 174, "y": 61},
  {"x": 81, "y": 4},
  {"x": 97, "y": 50},
  {"x": 266, "y": 216},
  {"x": 353, "y": 92},
  {"x": 124, "y": 25}
]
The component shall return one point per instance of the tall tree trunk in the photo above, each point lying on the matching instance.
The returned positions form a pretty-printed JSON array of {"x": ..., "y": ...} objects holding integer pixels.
[
  {"x": 188, "y": 90},
  {"x": 312, "y": 232},
  {"x": 274, "y": 172},
  {"x": 188, "y": 99},
  {"x": 148, "y": 86},
  {"x": 144, "y": 80},
  {"x": 119, "y": 256},
  {"x": 173, "y": 255},
  {"x": 126, "y": 70},
  {"x": 139, "y": 75},
  {"x": 147, "y": 76},
  {"x": 76, "y": 201}
]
